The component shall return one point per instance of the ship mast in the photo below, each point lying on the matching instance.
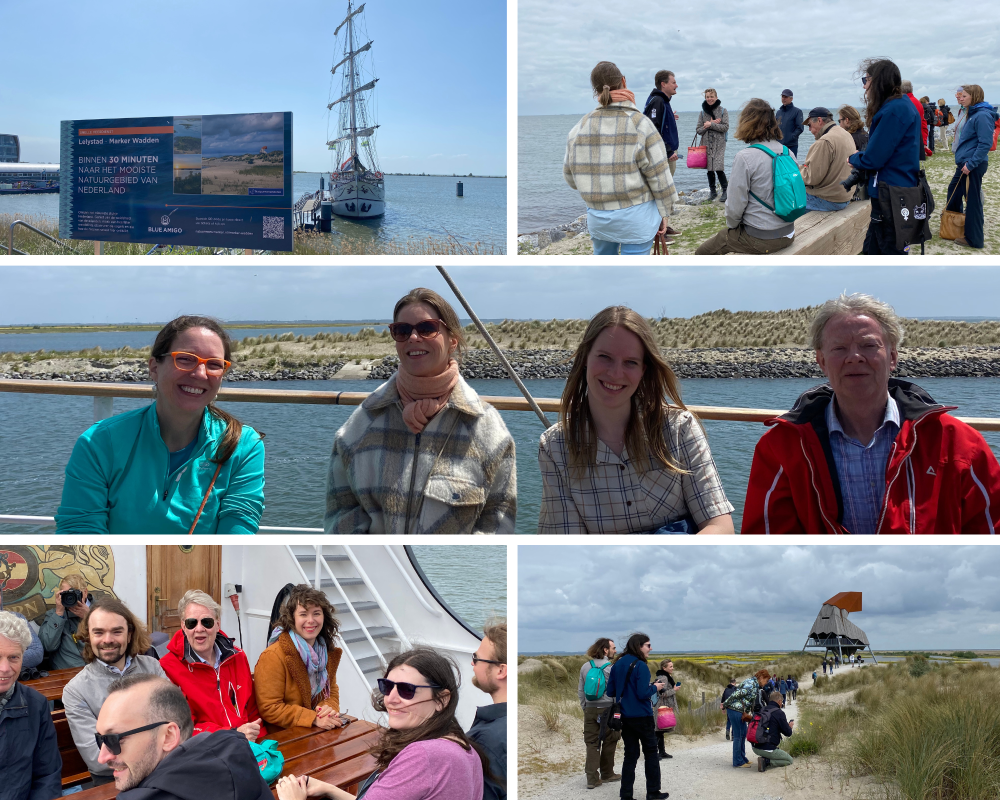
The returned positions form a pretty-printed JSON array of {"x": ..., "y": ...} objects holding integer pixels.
[{"x": 354, "y": 124}]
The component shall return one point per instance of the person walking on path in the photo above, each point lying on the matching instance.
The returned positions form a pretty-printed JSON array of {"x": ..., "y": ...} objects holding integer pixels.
[
  {"x": 600, "y": 740},
  {"x": 616, "y": 159},
  {"x": 743, "y": 701},
  {"x": 725, "y": 696},
  {"x": 973, "y": 140},
  {"x": 713, "y": 128},
  {"x": 930, "y": 120},
  {"x": 665, "y": 697},
  {"x": 661, "y": 114},
  {"x": 629, "y": 681},
  {"x": 944, "y": 119},
  {"x": 776, "y": 725},
  {"x": 790, "y": 119}
]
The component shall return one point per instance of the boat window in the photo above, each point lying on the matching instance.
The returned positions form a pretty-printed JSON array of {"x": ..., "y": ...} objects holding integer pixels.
[{"x": 471, "y": 580}]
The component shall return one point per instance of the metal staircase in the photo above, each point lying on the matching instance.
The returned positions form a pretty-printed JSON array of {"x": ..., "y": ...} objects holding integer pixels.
[{"x": 369, "y": 633}]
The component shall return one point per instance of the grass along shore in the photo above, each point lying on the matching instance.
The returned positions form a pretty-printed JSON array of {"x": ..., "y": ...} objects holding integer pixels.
[{"x": 307, "y": 243}]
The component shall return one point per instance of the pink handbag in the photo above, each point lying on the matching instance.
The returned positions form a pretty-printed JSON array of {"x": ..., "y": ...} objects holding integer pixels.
[
  {"x": 697, "y": 157},
  {"x": 665, "y": 718}
]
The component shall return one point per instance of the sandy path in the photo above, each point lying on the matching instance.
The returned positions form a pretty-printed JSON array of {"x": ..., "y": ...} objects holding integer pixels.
[{"x": 701, "y": 769}]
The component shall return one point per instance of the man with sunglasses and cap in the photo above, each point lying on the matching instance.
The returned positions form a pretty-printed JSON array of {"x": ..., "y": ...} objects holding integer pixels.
[
  {"x": 144, "y": 736},
  {"x": 826, "y": 163},
  {"x": 489, "y": 729},
  {"x": 114, "y": 640},
  {"x": 212, "y": 672}
]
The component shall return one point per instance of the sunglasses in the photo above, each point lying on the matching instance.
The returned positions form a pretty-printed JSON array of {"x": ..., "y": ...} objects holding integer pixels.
[
  {"x": 426, "y": 329},
  {"x": 113, "y": 741},
  {"x": 404, "y": 690},
  {"x": 864, "y": 80},
  {"x": 476, "y": 660},
  {"x": 188, "y": 362},
  {"x": 206, "y": 622}
]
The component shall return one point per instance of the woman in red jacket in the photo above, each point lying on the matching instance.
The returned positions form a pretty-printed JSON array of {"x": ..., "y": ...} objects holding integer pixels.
[{"x": 212, "y": 672}]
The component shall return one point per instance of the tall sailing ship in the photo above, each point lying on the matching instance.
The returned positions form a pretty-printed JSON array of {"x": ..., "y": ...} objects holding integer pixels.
[{"x": 357, "y": 186}]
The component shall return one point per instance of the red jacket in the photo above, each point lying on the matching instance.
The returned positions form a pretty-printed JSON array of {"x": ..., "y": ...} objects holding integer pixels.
[
  {"x": 218, "y": 700},
  {"x": 941, "y": 476},
  {"x": 923, "y": 122}
]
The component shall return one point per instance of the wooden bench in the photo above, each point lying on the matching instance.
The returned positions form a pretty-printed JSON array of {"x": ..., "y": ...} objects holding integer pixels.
[
  {"x": 51, "y": 687},
  {"x": 339, "y": 757},
  {"x": 74, "y": 768},
  {"x": 831, "y": 233}
]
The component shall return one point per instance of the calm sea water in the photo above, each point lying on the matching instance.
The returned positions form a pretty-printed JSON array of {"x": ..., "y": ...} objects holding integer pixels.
[
  {"x": 417, "y": 207},
  {"x": 39, "y": 431},
  {"x": 472, "y": 580},
  {"x": 544, "y": 199}
]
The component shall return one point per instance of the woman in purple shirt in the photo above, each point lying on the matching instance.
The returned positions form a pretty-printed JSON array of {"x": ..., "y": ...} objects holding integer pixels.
[{"x": 423, "y": 754}]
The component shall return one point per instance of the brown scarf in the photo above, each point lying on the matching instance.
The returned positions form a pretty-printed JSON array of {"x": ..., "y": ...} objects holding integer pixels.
[
  {"x": 623, "y": 95},
  {"x": 425, "y": 396}
]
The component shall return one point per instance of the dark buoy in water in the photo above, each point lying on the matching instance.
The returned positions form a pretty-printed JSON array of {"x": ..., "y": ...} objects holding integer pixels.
[
  {"x": 459, "y": 190},
  {"x": 326, "y": 216}
]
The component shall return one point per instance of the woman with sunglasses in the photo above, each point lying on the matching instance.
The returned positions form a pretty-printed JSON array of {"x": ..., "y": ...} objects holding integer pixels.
[
  {"x": 626, "y": 455},
  {"x": 423, "y": 454},
  {"x": 849, "y": 119},
  {"x": 212, "y": 672},
  {"x": 422, "y": 753},
  {"x": 295, "y": 679},
  {"x": 178, "y": 465}
]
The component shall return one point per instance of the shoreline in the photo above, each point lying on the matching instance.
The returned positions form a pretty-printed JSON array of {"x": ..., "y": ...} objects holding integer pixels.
[{"x": 967, "y": 361}]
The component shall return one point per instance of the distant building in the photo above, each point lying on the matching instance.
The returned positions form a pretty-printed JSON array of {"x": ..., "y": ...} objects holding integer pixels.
[{"x": 10, "y": 148}]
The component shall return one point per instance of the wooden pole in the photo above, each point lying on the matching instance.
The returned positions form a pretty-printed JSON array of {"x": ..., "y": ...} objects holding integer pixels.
[{"x": 98, "y": 248}]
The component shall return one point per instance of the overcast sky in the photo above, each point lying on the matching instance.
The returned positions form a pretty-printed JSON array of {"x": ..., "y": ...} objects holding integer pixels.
[
  {"x": 750, "y": 49},
  {"x": 150, "y": 290},
  {"x": 748, "y": 597}
]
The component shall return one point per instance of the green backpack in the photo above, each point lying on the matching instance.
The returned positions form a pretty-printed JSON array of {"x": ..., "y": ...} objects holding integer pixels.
[
  {"x": 595, "y": 683},
  {"x": 789, "y": 188}
]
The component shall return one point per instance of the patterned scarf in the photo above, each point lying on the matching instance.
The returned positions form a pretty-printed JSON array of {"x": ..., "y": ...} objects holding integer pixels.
[
  {"x": 315, "y": 659},
  {"x": 424, "y": 396}
]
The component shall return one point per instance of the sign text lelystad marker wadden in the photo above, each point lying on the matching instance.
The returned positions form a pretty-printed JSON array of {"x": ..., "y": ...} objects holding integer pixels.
[{"x": 220, "y": 180}]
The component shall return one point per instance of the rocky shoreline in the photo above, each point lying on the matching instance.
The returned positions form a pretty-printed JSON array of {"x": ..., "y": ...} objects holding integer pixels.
[{"x": 717, "y": 362}]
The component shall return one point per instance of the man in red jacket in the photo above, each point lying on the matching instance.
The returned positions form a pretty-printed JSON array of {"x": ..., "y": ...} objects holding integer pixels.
[
  {"x": 907, "y": 89},
  {"x": 866, "y": 453}
]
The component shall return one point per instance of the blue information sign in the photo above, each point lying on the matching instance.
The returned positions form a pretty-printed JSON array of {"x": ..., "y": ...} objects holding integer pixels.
[{"x": 221, "y": 180}]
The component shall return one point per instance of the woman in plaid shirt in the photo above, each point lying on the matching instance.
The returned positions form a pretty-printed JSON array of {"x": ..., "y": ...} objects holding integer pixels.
[{"x": 626, "y": 455}]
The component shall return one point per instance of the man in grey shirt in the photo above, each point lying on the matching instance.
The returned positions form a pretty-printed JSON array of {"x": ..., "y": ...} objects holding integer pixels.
[{"x": 600, "y": 765}]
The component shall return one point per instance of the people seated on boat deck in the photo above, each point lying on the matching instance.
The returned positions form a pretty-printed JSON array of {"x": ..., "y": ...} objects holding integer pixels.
[
  {"x": 626, "y": 455},
  {"x": 144, "y": 735},
  {"x": 177, "y": 465},
  {"x": 616, "y": 159},
  {"x": 295, "y": 680},
  {"x": 826, "y": 164},
  {"x": 30, "y": 764},
  {"x": 489, "y": 728},
  {"x": 212, "y": 672},
  {"x": 35, "y": 652},
  {"x": 867, "y": 453},
  {"x": 752, "y": 227},
  {"x": 63, "y": 647},
  {"x": 114, "y": 643},
  {"x": 423, "y": 454},
  {"x": 422, "y": 753},
  {"x": 773, "y": 725}
]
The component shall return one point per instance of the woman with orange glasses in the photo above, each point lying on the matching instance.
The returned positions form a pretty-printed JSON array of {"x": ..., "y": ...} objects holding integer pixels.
[
  {"x": 423, "y": 454},
  {"x": 178, "y": 465}
]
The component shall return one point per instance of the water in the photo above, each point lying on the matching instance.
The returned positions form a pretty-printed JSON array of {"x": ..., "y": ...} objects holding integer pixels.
[
  {"x": 472, "y": 580},
  {"x": 544, "y": 199},
  {"x": 40, "y": 430},
  {"x": 417, "y": 207}
]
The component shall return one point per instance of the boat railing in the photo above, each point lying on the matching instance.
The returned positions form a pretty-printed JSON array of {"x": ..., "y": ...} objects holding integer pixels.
[{"x": 21, "y": 222}]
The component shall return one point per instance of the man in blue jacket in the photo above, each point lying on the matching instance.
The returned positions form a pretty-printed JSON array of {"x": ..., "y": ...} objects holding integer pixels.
[
  {"x": 663, "y": 117},
  {"x": 30, "y": 765},
  {"x": 790, "y": 120}
]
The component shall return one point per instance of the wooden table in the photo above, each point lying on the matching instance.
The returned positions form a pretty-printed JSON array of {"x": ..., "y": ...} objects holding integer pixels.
[
  {"x": 51, "y": 688},
  {"x": 339, "y": 757}
]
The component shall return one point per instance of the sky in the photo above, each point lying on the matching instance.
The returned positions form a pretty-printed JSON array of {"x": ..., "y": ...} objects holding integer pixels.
[
  {"x": 442, "y": 68},
  {"x": 752, "y": 597},
  {"x": 751, "y": 49},
  {"x": 284, "y": 289}
]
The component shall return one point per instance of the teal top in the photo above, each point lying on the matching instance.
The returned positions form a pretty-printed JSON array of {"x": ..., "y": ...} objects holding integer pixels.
[{"x": 118, "y": 480}]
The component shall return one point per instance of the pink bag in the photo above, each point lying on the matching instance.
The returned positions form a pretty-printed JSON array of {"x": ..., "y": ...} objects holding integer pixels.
[
  {"x": 697, "y": 157},
  {"x": 665, "y": 718}
]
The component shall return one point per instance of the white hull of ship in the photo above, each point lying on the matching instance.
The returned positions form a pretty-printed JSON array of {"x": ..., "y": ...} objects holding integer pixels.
[{"x": 359, "y": 199}]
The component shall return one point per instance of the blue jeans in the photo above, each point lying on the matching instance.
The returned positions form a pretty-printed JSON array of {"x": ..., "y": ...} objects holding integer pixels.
[
  {"x": 735, "y": 719},
  {"x": 814, "y": 203},
  {"x": 605, "y": 248}
]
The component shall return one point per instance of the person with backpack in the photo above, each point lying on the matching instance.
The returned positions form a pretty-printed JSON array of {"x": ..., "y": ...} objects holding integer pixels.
[
  {"x": 973, "y": 139},
  {"x": 601, "y": 741},
  {"x": 760, "y": 212},
  {"x": 629, "y": 684},
  {"x": 783, "y": 690},
  {"x": 944, "y": 118},
  {"x": 665, "y": 119},
  {"x": 744, "y": 701},
  {"x": 725, "y": 696},
  {"x": 772, "y": 726}
]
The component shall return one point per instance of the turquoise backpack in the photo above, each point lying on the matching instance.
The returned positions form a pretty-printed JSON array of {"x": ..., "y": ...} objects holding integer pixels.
[
  {"x": 595, "y": 683},
  {"x": 789, "y": 188},
  {"x": 270, "y": 761}
]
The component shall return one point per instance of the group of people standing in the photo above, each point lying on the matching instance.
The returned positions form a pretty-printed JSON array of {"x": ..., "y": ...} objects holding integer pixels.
[
  {"x": 202, "y": 700},
  {"x": 622, "y": 161}
]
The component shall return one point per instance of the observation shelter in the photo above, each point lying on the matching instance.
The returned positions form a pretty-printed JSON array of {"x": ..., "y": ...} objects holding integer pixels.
[{"x": 834, "y": 632}]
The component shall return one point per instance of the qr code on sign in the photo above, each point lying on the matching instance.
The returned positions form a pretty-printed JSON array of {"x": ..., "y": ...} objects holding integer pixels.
[{"x": 274, "y": 228}]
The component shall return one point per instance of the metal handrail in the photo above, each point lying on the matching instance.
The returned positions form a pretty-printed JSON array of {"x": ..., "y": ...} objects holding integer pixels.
[
  {"x": 235, "y": 395},
  {"x": 378, "y": 599},
  {"x": 27, "y": 519},
  {"x": 10, "y": 240}
]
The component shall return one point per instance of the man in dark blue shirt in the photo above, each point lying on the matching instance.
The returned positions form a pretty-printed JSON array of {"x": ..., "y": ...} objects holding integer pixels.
[
  {"x": 790, "y": 120},
  {"x": 489, "y": 730},
  {"x": 663, "y": 117}
]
